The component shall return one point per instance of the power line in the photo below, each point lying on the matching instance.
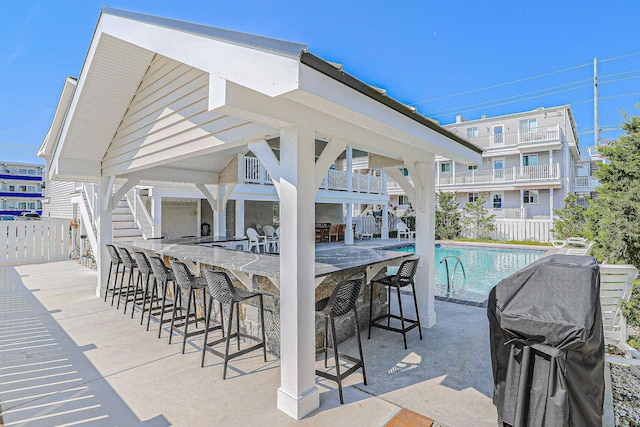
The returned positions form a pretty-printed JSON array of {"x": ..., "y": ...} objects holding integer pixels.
[
  {"x": 523, "y": 99},
  {"x": 514, "y": 96},
  {"x": 619, "y": 74},
  {"x": 503, "y": 84},
  {"x": 619, "y": 57}
]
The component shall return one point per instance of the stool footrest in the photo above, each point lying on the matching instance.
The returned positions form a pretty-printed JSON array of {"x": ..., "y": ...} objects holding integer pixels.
[
  {"x": 412, "y": 323},
  {"x": 209, "y": 346}
]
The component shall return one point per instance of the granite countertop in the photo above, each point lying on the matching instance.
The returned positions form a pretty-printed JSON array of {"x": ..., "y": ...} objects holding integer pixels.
[{"x": 327, "y": 261}]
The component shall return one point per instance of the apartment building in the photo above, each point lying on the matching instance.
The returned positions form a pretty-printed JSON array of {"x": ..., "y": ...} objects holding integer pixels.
[{"x": 20, "y": 188}]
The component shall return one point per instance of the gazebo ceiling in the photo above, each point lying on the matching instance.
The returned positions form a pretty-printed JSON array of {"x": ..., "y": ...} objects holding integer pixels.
[{"x": 156, "y": 95}]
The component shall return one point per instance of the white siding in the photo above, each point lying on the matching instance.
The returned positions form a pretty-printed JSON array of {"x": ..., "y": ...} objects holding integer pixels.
[
  {"x": 168, "y": 118},
  {"x": 59, "y": 204}
]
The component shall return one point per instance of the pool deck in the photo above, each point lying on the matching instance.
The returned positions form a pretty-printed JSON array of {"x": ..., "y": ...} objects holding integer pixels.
[{"x": 68, "y": 357}]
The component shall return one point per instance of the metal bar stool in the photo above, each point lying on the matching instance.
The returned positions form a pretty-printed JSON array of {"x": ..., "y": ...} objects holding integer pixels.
[
  {"x": 222, "y": 290},
  {"x": 341, "y": 303},
  {"x": 404, "y": 277},
  {"x": 164, "y": 275},
  {"x": 115, "y": 260},
  {"x": 144, "y": 270},
  {"x": 129, "y": 263},
  {"x": 187, "y": 285}
]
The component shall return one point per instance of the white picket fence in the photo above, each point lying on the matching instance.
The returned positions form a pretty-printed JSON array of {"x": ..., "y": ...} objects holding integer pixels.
[
  {"x": 24, "y": 242},
  {"x": 537, "y": 230}
]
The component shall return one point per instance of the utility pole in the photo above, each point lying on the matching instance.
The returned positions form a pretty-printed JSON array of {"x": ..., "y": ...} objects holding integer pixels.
[{"x": 596, "y": 125}]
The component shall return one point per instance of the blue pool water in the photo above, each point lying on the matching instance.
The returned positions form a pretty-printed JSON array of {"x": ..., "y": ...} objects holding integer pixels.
[{"x": 484, "y": 267}]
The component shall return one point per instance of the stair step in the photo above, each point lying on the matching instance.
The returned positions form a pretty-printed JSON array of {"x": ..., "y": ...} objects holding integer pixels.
[{"x": 120, "y": 232}]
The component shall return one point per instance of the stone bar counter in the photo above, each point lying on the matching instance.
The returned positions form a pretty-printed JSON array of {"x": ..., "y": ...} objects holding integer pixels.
[{"x": 261, "y": 272}]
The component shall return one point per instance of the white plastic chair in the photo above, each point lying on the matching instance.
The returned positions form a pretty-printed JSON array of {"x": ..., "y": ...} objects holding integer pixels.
[
  {"x": 403, "y": 230},
  {"x": 256, "y": 241},
  {"x": 615, "y": 286},
  {"x": 581, "y": 251},
  {"x": 361, "y": 234},
  {"x": 272, "y": 238}
]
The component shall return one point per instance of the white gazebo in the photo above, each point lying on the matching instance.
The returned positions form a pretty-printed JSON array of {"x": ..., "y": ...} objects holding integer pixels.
[{"x": 162, "y": 101}]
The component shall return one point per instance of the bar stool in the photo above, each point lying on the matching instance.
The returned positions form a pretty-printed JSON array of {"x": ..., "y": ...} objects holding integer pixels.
[
  {"x": 144, "y": 270},
  {"x": 115, "y": 260},
  {"x": 341, "y": 303},
  {"x": 129, "y": 263},
  {"x": 222, "y": 290},
  {"x": 187, "y": 284},
  {"x": 164, "y": 275},
  {"x": 404, "y": 277}
]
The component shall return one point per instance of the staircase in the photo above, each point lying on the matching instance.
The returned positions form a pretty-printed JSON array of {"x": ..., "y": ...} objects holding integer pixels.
[{"x": 123, "y": 222}]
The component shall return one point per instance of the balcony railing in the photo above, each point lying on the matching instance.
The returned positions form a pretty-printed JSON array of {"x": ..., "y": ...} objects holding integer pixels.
[
  {"x": 255, "y": 173},
  {"x": 499, "y": 176},
  {"x": 586, "y": 183},
  {"x": 513, "y": 139},
  {"x": 508, "y": 213}
]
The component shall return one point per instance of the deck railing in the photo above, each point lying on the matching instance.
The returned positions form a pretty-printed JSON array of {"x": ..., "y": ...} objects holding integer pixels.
[
  {"x": 499, "y": 176},
  {"x": 510, "y": 139},
  {"x": 586, "y": 183}
]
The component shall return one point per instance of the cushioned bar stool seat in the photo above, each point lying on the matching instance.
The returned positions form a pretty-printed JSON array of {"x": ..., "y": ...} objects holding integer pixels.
[
  {"x": 188, "y": 285},
  {"x": 341, "y": 303},
  {"x": 222, "y": 290},
  {"x": 404, "y": 277}
]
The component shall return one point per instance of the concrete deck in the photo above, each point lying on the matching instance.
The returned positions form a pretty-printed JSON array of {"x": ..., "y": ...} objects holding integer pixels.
[{"x": 67, "y": 358}]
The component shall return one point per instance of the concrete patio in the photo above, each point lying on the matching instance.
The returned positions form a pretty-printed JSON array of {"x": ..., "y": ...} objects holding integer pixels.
[{"x": 68, "y": 358}]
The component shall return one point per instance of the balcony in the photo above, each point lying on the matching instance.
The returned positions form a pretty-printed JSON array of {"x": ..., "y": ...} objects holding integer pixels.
[
  {"x": 255, "y": 173},
  {"x": 541, "y": 134},
  {"x": 522, "y": 174},
  {"x": 584, "y": 184}
]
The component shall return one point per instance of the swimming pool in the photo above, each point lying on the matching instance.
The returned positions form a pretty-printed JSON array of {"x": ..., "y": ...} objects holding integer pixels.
[{"x": 484, "y": 267}]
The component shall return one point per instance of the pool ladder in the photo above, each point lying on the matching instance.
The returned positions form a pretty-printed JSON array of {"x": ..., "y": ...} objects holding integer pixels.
[{"x": 451, "y": 277}]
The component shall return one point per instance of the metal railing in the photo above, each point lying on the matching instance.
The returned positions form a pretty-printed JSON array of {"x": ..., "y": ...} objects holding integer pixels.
[
  {"x": 507, "y": 175},
  {"x": 510, "y": 139}
]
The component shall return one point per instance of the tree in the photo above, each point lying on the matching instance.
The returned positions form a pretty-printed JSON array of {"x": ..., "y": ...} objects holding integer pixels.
[
  {"x": 613, "y": 218},
  {"x": 477, "y": 221},
  {"x": 447, "y": 216},
  {"x": 571, "y": 220}
]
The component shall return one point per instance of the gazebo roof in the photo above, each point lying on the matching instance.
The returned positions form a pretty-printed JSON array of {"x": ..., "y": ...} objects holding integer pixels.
[{"x": 172, "y": 101}]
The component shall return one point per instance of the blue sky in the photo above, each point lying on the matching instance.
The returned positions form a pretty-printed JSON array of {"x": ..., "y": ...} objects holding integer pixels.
[{"x": 417, "y": 50}]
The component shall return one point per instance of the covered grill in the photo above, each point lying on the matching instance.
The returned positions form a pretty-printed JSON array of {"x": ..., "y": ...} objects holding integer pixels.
[{"x": 547, "y": 345}]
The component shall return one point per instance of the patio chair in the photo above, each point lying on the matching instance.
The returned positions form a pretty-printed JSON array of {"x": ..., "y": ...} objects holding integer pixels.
[
  {"x": 115, "y": 260},
  {"x": 256, "y": 241},
  {"x": 272, "y": 239},
  {"x": 360, "y": 234},
  {"x": 130, "y": 264},
  {"x": 164, "y": 275},
  {"x": 579, "y": 241},
  {"x": 615, "y": 286},
  {"x": 341, "y": 303},
  {"x": 404, "y": 277},
  {"x": 333, "y": 232},
  {"x": 581, "y": 251},
  {"x": 188, "y": 285},
  {"x": 222, "y": 290},
  {"x": 403, "y": 230}
]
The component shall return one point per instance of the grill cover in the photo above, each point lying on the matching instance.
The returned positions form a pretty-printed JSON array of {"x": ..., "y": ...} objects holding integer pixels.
[{"x": 547, "y": 344}]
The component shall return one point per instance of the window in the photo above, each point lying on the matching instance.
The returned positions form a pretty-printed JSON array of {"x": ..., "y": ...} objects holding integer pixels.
[
  {"x": 530, "y": 160},
  {"x": 497, "y": 134},
  {"x": 472, "y": 132},
  {"x": 445, "y": 167},
  {"x": 31, "y": 205},
  {"x": 31, "y": 188},
  {"x": 12, "y": 188},
  {"x": 530, "y": 197},
  {"x": 496, "y": 200},
  {"x": 473, "y": 197},
  {"x": 473, "y": 167},
  {"x": 528, "y": 124},
  {"x": 22, "y": 171},
  {"x": 23, "y": 188},
  {"x": 403, "y": 200},
  {"x": 22, "y": 205},
  {"x": 32, "y": 171}
]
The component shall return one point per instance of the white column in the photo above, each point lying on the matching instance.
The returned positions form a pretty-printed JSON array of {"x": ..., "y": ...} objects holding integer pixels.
[
  {"x": 239, "y": 218},
  {"x": 551, "y": 203},
  {"x": 348, "y": 232},
  {"x": 385, "y": 209},
  {"x": 298, "y": 394},
  {"x": 156, "y": 215},
  {"x": 104, "y": 231},
  {"x": 198, "y": 217},
  {"x": 425, "y": 242},
  {"x": 219, "y": 213},
  {"x": 521, "y": 199}
]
